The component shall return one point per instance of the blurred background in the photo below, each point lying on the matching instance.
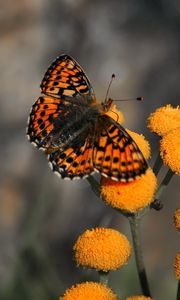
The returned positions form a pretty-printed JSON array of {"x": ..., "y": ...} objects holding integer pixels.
[{"x": 41, "y": 216}]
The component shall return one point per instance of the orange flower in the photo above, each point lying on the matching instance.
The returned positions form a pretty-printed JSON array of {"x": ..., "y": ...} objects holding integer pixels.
[
  {"x": 142, "y": 143},
  {"x": 138, "y": 298},
  {"x": 104, "y": 249},
  {"x": 164, "y": 119},
  {"x": 170, "y": 150},
  {"x": 177, "y": 218},
  {"x": 132, "y": 196},
  {"x": 87, "y": 291},
  {"x": 177, "y": 266}
]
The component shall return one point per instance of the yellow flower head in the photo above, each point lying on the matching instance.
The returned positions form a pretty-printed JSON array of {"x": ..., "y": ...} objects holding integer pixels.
[
  {"x": 104, "y": 249},
  {"x": 177, "y": 218},
  {"x": 132, "y": 196},
  {"x": 177, "y": 266},
  {"x": 142, "y": 143},
  {"x": 138, "y": 298},
  {"x": 164, "y": 119},
  {"x": 115, "y": 114},
  {"x": 170, "y": 150},
  {"x": 89, "y": 291}
]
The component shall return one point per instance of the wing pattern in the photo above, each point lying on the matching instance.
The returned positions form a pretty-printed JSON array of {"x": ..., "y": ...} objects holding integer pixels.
[
  {"x": 74, "y": 162},
  {"x": 65, "y": 78},
  {"x": 115, "y": 154},
  {"x": 49, "y": 121}
]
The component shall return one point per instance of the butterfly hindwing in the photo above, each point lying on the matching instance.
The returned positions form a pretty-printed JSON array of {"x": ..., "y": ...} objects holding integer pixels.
[
  {"x": 65, "y": 78},
  {"x": 115, "y": 154},
  {"x": 74, "y": 162}
]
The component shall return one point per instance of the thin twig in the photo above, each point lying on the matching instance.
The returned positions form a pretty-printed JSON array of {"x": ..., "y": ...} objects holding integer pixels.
[
  {"x": 134, "y": 221},
  {"x": 178, "y": 291},
  {"x": 157, "y": 203},
  {"x": 94, "y": 185},
  {"x": 103, "y": 277},
  {"x": 164, "y": 183},
  {"x": 158, "y": 164}
]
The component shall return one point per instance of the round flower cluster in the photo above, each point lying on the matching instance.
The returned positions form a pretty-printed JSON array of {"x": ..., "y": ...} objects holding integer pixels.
[
  {"x": 132, "y": 196},
  {"x": 164, "y": 119},
  {"x": 170, "y": 150},
  {"x": 177, "y": 218},
  {"x": 177, "y": 266},
  {"x": 104, "y": 249},
  {"x": 89, "y": 290}
]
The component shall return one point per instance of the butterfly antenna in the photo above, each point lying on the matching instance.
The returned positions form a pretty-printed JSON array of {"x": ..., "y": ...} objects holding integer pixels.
[
  {"x": 112, "y": 77},
  {"x": 132, "y": 99}
]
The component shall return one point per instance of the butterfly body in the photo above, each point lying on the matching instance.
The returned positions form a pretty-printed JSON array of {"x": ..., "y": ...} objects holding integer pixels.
[{"x": 75, "y": 131}]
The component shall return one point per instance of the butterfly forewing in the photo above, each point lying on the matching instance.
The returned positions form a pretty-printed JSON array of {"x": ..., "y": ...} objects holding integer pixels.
[
  {"x": 65, "y": 78},
  {"x": 51, "y": 120}
]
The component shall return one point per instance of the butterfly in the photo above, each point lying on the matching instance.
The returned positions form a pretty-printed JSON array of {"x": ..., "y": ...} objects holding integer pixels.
[{"x": 75, "y": 131}]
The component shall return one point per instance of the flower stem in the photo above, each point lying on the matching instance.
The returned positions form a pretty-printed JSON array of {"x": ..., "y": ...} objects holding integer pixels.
[
  {"x": 103, "y": 277},
  {"x": 164, "y": 183},
  {"x": 134, "y": 221},
  {"x": 178, "y": 291},
  {"x": 94, "y": 185},
  {"x": 157, "y": 165},
  {"x": 157, "y": 203}
]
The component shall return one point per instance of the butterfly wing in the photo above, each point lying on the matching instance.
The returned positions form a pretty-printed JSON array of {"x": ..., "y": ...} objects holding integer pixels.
[
  {"x": 115, "y": 154},
  {"x": 53, "y": 122},
  {"x": 66, "y": 79},
  {"x": 107, "y": 148},
  {"x": 68, "y": 95},
  {"x": 74, "y": 162}
]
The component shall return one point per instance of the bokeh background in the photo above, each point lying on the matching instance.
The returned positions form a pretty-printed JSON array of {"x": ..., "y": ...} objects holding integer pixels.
[{"x": 41, "y": 216}]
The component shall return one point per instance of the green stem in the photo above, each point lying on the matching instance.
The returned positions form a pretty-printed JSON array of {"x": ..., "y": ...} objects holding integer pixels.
[
  {"x": 134, "y": 221},
  {"x": 164, "y": 183},
  {"x": 178, "y": 291},
  {"x": 103, "y": 277},
  {"x": 157, "y": 165},
  {"x": 157, "y": 203},
  {"x": 94, "y": 185}
]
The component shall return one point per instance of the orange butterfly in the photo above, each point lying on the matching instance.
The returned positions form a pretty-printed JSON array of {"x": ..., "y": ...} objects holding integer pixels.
[{"x": 75, "y": 130}]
